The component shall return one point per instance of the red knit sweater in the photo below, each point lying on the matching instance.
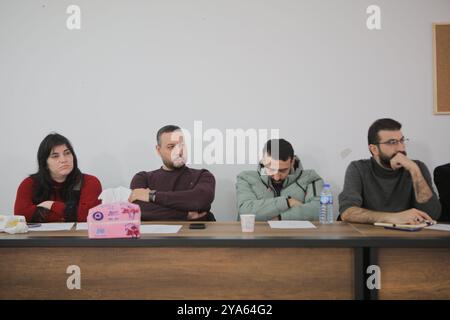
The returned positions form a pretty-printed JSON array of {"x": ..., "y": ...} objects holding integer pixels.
[{"x": 90, "y": 190}]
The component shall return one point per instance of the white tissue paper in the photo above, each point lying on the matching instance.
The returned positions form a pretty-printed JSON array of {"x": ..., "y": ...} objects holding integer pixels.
[
  {"x": 13, "y": 224},
  {"x": 119, "y": 194}
]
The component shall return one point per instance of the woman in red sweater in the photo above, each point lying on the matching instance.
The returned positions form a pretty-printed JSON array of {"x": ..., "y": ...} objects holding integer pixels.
[{"x": 58, "y": 192}]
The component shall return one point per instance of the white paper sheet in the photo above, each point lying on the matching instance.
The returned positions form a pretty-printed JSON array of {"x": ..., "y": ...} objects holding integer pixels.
[
  {"x": 441, "y": 227},
  {"x": 53, "y": 227},
  {"x": 291, "y": 224},
  {"x": 160, "y": 228},
  {"x": 82, "y": 226}
]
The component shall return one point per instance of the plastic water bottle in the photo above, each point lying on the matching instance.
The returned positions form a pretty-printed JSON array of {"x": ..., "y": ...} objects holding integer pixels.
[{"x": 326, "y": 205}]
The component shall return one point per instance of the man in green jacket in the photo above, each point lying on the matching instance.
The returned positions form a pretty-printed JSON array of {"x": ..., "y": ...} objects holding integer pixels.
[{"x": 280, "y": 189}]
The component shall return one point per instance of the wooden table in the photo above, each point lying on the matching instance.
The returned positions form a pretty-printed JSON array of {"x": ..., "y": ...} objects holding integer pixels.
[
  {"x": 221, "y": 262},
  {"x": 414, "y": 265}
]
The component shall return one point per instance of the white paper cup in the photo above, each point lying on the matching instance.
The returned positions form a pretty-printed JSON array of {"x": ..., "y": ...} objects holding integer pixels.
[{"x": 248, "y": 222}]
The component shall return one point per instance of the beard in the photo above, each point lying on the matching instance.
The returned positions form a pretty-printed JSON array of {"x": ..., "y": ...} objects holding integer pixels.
[
  {"x": 176, "y": 163},
  {"x": 385, "y": 160}
]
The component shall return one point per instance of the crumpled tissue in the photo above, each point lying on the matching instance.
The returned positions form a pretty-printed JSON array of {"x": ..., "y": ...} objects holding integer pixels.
[{"x": 13, "y": 224}]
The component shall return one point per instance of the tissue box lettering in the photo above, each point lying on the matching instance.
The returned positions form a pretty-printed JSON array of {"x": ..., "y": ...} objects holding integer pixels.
[{"x": 114, "y": 220}]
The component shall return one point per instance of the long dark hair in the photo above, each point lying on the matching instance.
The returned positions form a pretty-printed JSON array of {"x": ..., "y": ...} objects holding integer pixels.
[{"x": 42, "y": 190}]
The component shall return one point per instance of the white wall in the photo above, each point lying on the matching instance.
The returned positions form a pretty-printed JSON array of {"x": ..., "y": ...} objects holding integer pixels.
[{"x": 310, "y": 68}]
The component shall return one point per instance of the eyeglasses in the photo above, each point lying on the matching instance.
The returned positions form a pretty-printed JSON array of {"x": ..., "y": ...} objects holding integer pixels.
[{"x": 394, "y": 142}]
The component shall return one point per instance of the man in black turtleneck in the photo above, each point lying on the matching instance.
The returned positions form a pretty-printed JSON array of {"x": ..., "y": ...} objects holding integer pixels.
[
  {"x": 173, "y": 192},
  {"x": 389, "y": 187}
]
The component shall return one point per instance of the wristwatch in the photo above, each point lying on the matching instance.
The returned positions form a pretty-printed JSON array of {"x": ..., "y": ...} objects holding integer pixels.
[
  {"x": 152, "y": 195},
  {"x": 287, "y": 200}
]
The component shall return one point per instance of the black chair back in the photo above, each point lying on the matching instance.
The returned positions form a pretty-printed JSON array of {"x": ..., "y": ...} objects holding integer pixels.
[{"x": 442, "y": 182}]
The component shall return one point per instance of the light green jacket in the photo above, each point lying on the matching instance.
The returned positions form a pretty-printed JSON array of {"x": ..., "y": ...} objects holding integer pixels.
[{"x": 256, "y": 194}]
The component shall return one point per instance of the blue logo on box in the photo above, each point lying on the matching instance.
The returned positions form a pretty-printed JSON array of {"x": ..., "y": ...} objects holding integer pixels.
[{"x": 98, "y": 216}]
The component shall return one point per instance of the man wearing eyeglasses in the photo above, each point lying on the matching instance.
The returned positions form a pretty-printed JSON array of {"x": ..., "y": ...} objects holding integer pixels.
[
  {"x": 280, "y": 189},
  {"x": 389, "y": 187}
]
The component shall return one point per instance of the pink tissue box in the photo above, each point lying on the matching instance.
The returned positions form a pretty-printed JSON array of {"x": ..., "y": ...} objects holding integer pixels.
[{"x": 114, "y": 220}]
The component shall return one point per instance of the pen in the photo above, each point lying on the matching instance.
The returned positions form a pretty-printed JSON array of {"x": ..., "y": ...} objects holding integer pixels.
[
  {"x": 33, "y": 225},
  {"x": 381, "y": 224}
]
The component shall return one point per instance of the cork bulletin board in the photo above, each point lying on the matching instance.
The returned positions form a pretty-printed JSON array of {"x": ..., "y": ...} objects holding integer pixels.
[{"x": 441, "y": 44}]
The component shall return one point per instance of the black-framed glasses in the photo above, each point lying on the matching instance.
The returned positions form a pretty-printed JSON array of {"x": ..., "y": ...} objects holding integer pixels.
[{"x": 394, "y": 142}]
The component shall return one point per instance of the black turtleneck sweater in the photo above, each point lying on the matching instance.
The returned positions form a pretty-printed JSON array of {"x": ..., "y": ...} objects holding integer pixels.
[{"x": 370, "y": 186}]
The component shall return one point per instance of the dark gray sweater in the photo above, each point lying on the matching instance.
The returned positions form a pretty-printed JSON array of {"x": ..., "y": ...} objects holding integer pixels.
[{"x": 370, "y": 186}]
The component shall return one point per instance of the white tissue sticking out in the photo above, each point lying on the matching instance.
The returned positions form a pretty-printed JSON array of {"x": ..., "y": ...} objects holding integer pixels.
[
  {"x": 13, "y": 224},
  {"x": 119, "y": 194}
]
